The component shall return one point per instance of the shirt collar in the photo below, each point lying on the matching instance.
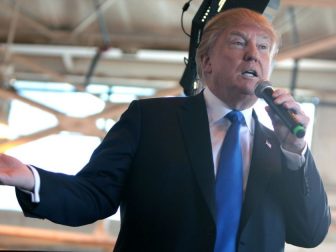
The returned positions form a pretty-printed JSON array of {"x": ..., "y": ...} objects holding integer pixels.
[{"x": 217, "y": 109}]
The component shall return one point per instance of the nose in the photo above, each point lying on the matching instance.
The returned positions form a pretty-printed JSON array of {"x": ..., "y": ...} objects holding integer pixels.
[{"x": 251, "y": 53}]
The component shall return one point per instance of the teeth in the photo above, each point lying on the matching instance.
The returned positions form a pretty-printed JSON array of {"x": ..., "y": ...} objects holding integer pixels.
[{"x": 250, "y": 73}]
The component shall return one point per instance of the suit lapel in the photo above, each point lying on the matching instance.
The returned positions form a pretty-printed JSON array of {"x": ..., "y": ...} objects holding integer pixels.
[
  {"x": 195, "y": 127},
  {"x": 264, "y": 161}
]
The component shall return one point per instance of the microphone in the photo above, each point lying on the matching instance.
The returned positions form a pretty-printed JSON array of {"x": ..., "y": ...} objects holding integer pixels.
[{"x": 264, "y": 90}]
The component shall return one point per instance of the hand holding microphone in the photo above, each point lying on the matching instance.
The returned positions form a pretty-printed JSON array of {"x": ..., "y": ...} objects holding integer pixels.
[{"x": 264, "y": 90}]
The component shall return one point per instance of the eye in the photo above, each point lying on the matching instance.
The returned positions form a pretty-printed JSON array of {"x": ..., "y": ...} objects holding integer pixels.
[
  {"x": 264, "y": 47},
  {"x": 239, "y": 43}
]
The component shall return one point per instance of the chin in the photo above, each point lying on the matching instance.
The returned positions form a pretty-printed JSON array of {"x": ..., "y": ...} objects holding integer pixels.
[
  {"x": 248, "y": 88},
  {"x": 248, "y": 82}
]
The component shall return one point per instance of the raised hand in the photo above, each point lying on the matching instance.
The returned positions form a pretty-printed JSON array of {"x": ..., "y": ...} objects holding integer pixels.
[
  {"x": 14, "y": 173},
  {"x": 288, "y": 140}
]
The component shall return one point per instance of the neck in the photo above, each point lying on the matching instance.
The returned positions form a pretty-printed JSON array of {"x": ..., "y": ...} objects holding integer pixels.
[{"x": 239, "y": 104}]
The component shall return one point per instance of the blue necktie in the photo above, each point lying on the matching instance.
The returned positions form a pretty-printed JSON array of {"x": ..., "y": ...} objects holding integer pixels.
[{"x": 229, "y": 186}]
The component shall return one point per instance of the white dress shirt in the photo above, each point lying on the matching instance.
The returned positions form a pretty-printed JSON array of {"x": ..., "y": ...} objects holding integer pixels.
[{"x": 219, "y": 125}]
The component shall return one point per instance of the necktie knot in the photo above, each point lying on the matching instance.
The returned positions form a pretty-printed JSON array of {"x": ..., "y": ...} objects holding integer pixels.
[{"x": 235, "y": 116}]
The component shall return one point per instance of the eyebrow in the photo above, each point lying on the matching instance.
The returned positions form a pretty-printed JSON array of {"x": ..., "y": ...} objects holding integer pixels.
[
  {"x": 241, "y": 34},
  {"x": 237, "y": 33}
]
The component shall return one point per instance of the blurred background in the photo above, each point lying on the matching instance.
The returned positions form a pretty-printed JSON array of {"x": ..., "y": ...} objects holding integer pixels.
[{"x": 69, "y": 68}]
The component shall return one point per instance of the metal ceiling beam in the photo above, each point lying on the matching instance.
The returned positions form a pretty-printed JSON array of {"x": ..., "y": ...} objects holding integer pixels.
[
  {"x": 310, "y": 3},
  {"x": 41, "y": 28},
  {"x": 6, "y": 145},
  {"x": 127, "y": 41},
  {"x": 36, "y": 67},
  {"x": 60, "y": 50},
  {"x": 92, "y": 17},
  {"x": 6, "y": 95},
  {"x": 36, "y": 237},
  {"x": 12, "y": 30},
  {"x": 85, "y": 126},
  {"x": 158, "y": 83},
  {"x": 308, "y": 49}
]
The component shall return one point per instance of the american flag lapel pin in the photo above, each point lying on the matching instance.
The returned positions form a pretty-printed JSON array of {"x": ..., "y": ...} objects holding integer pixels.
[{"x": 269, "y": 145}]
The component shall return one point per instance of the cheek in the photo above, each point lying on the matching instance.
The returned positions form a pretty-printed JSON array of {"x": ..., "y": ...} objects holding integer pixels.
[
  {"x": 267, "y": 67},
  {"x": 226, "y": 63},
  {"x": 269, "y": 72}
]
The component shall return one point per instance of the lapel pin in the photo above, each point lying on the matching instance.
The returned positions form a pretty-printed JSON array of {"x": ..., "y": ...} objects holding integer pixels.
[{"x": 268, "y": 144}]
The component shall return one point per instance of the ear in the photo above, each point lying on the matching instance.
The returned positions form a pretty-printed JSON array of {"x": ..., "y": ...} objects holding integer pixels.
[{"x": 206, "y": 64}]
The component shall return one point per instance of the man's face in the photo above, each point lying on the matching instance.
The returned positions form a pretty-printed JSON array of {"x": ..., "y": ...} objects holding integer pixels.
[{"x": 240, "y": 57}]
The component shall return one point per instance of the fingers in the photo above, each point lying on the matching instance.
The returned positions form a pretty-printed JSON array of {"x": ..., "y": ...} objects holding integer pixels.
[
  {"x": 284, "y": 98},
  {"x": 14, "y": 173}
]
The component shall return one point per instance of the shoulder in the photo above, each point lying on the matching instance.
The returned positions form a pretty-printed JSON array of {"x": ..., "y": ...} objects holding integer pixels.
[{"x": 168, "y": 102}]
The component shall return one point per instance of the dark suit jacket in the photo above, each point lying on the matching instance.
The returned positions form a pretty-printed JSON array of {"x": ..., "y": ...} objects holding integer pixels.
[{"x": 156, "y": 163}]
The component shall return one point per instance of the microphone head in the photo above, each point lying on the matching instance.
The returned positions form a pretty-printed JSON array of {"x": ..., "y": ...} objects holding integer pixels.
[{"x": 261, "y": 86}]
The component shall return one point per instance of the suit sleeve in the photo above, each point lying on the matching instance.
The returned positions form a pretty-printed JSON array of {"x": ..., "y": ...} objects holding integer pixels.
[
  {"x": 96, "y": 191},
  {"x": 306, "y": 205}
]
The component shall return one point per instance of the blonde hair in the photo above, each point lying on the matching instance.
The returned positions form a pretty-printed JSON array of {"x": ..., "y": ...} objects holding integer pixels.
[{"x": 227, "y": 19}]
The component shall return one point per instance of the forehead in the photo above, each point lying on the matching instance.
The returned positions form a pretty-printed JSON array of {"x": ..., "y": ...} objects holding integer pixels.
[{"x": 248, "y": 30}]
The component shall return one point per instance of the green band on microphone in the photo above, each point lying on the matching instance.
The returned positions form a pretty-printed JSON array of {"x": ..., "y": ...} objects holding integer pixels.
[{"x": 299, "y": 131}]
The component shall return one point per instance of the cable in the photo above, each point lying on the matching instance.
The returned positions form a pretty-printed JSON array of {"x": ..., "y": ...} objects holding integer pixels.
[{"x": 184, "y": 9}]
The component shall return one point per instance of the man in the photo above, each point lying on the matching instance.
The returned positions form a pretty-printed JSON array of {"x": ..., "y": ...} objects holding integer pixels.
[{"x": 159, "y": 162}]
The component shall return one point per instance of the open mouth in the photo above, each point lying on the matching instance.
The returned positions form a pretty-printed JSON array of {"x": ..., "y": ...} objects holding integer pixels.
[{"x": 250, "y": 73}]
